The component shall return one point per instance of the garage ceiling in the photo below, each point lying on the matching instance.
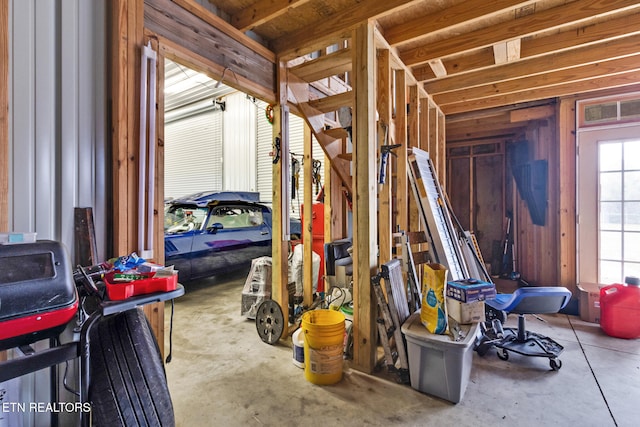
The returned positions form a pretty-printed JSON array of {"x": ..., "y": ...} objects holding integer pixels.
[{"x": 469, "y": 54}]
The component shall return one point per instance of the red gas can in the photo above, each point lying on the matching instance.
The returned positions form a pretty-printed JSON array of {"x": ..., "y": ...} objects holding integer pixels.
[{"x": 620, "y": 309}]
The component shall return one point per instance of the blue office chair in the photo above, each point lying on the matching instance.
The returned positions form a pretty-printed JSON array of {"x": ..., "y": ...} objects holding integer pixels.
[{"x": 530, "y": 300}]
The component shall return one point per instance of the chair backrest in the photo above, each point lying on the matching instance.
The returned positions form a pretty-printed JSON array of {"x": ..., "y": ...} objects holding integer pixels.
[{"x": 540, "y": 300}]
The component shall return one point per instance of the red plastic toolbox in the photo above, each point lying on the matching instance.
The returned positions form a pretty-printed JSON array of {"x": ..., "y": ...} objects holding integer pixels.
[{"x": 117, "y": 290}]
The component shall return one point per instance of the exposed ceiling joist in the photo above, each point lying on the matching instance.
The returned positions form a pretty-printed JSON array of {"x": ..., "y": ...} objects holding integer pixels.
[
  {"x": 263, "y": 11},
  {"x": 551, "y": 18},
  {"x": 469, "y": 54},
  {"x": 617, "y": 48}
]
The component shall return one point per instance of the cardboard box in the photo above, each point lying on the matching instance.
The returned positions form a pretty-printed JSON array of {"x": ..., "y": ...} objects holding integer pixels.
[
  {"x": 471, "y": 290},
  {"x": 589, "y": 295},
  {"x": 438, "y": 365},
  {"x": 465, "y": 312}
]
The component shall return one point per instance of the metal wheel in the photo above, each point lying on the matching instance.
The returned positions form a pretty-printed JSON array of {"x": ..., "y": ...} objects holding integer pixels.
[
  {"x": 270, "y": 321},
  {"x": 555, "y": 364},
  {"x": 502, "y": 354}
]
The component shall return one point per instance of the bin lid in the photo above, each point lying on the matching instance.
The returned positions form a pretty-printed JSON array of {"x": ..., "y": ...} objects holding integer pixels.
[{"x": 414, "y": 330}]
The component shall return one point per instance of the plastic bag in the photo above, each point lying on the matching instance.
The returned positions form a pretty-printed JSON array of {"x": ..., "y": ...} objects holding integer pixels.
[{"x": 433, "y": 313}]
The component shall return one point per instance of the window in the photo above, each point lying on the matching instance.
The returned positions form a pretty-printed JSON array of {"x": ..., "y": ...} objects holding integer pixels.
[
  {"x": 619, "y": 210},
  {"x": 608, "y": 204},
  {"x": 236, "y": 216}
]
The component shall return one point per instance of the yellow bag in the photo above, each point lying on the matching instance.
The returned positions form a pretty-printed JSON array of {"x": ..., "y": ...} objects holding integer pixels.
[{"x": 433, "y": 313}]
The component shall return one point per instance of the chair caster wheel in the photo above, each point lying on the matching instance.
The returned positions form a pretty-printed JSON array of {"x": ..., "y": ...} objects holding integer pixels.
[
  {"x": 483, "y": 347},
  {"x": 555, "y": 364},
  {"x": 502, "y": 354}
]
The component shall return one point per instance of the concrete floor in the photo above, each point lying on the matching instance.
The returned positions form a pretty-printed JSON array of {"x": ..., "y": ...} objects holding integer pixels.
[{"x": 222, "y": 374}]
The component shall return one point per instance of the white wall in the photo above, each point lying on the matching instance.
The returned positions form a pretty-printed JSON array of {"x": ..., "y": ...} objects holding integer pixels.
[
  {"x": 57, "y": 109},
  {"x": 57, "y": 134},
  {"x": 239, "y": 144}
]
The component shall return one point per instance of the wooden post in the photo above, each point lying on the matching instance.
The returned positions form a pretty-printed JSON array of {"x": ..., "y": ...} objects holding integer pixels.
[
  {"x": 402, "y": 196},
  {"x": 280, "y": 247},
  {"x": 567, "y": 190},
  {"x": 307, "y": 225},
  {"x": 365, "y": 224},
  {"x": 425, "y": 126},
  {"x": 383, "y": 103},
  {"x": 442, "y": 152},
  {"x": 128, "y": 37},
  {"x": 413, "y": 120}
]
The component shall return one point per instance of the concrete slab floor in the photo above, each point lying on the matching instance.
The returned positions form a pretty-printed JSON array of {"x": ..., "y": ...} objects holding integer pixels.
[{"x": 222, "y": 374}]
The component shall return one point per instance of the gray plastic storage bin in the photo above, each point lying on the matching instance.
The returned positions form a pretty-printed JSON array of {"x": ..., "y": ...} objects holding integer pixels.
[{"x": 437, "y": 365}]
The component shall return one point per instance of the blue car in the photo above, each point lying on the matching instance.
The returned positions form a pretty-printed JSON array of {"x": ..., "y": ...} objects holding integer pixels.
[{"x": 213, "y": 232}]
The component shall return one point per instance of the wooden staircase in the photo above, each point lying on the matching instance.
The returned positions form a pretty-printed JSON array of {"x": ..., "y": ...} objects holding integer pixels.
[{"x": 318, "y": 89}]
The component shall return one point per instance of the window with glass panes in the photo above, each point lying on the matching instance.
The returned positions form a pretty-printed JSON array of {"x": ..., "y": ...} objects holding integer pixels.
[{"x": 619, "y": 210}]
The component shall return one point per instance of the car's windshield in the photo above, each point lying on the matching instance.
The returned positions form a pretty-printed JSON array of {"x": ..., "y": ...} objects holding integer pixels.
[{"x": 179, "y": 218}]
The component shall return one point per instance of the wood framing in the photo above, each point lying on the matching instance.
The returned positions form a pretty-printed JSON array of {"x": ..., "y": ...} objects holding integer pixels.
[
  {"x": 383, "y": 107},
  {"x": 567, "y": 209},
  {"x": 197, "y": 30},
  {"x": 307, "y": 224},
  {"x": 364, "y": 184},
  {"x": 402, "y": 206},
  {"x": 279, "y": 245},
  {"x": 127, "y": 39}
]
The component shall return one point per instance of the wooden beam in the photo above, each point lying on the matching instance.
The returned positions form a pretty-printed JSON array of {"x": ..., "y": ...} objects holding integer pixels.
[
  {"x": 541, "y": 21},
  {"x": 197, "y": 30},
  {"x": 442, "y": 152},
  {"x": 424, "y": 124},
  {"x": 364, "y": 182},
  {"x": 324, "y": 66},
  {"x": 438, "y": 68},
  {"x": 280, "y": 244},
  {"x": 413, "y": 116},
  {"x": 567, "y": 193},
  {"x": 481, "y": 58},
  {"x": 624, "y": 79},
  {"x": 333, "y": 102},
  {"x": 626, "y": 24},
  {"x": 504, "y": 52},
  {"x": 4, "y": 116},
  {"x": 335, "y": 26},
  {"x": 383, "y": 107},
  {"x": 262, "y": 11},
  {"x": 413, "y": 121},
  {"x": 584, "y": 72},
  {"x": 206, "y": 65},
  {"x": 613, "y": 49},
  {"x": 462, "y": 13},
  {"x": 504, "y": 133},
  {"x": 220, "y": 24},
  {"x": 535, "y": 46},
  {"x": 128, "y": 38},
  {"x": 535, "y": 113},
  {"x": 307, "y": 225},
  {"x": 456, "y": 133},
  {"x": 402, "y": 195}
]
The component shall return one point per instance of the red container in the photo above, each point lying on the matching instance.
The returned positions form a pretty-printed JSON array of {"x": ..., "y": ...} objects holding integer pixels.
[
  {"x": 620, "y": 309},
  {"x": 317, "y": 245},
  {"x": 123, "y": 290}
]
